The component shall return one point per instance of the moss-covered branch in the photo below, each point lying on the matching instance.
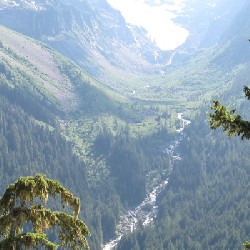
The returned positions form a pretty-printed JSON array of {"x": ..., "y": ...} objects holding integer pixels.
[
  {"x": 28, "y": 240},
  {"x": 17, "y": 208},
  {"x": 25, "y": 189}
]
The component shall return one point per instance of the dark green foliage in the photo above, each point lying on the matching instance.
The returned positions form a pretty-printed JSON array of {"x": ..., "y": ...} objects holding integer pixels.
[
  {"x": 27, "y": 148},
  {"x": 20, "y": 89},
  {"x": 131, "y": 160},
  {"x": 247, "y": 92},
  {"x": 127, "y": 164},
  {"x": 127, "y": 167},
  {"x": 206, "y": 204},
  {"x": 132, "y": 164},
  {"x": 29, "y": 240},
  {"x": 247, "y": 245},
  {"x": 231, "y": 123}
]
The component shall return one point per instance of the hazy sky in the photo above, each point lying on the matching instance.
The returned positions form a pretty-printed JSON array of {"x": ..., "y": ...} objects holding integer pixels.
[{"x": 156, "y": 17}]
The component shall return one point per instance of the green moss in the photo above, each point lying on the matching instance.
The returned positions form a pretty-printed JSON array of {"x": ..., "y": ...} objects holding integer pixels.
[
  {"x": 29, "y": 240},
  {"x": 17, "y": 207},
  {"x": 247, "y": 245}
]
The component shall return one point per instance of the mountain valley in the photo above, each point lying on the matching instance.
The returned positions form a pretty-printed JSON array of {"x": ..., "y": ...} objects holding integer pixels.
[{"x": 90, "y": 100}]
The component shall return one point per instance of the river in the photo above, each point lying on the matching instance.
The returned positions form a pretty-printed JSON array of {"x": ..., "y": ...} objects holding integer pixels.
[{"x": 147, "y": 210}]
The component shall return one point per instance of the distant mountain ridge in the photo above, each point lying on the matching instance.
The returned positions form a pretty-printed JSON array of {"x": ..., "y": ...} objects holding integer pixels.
[
  {"x": 207, "y": 21},
  {"x": 236, "y": 48},
  {"x": 51, "y": 116},
  {"x": 121, "y": 56},
  {"x": 91, "y": 29},
  {"x": 37, "y": 71},
  {"x": 92, "y": 125}
]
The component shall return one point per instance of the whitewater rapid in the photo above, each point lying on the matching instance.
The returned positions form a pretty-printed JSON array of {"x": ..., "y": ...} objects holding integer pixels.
[{"x": 147, "y": 210}]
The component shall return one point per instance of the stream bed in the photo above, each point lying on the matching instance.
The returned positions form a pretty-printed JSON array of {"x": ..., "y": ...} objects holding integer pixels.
[{"x": 147, "y": 210}]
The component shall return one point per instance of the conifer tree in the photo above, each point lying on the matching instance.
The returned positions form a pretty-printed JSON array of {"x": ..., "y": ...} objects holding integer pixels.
[
  {"x": 24, "y": 201},
  {"x": 227, "y": 119}
]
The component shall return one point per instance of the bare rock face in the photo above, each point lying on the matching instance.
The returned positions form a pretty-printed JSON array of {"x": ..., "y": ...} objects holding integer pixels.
[
  {"x": 91, "y": 33},
  {"x": 97, "y": 38}
]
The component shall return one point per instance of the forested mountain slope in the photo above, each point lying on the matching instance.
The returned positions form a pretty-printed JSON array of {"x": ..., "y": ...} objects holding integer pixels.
[
  {"x": 206, "y": 204},
  {"x": 97, "y": 38},
  {"x": 59, "y": 121},
  {"x": 91, "y": 33},
  {"x": 28, "y": 147},
  {"x": 106, "y": 141},
  {"x": 48, "y": 76}
]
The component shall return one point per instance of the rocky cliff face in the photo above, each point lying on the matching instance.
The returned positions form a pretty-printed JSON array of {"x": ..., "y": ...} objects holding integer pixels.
[
  {"x": 98, "y": 39},
  {"x": 91, "y": 33},
  {"x": 235, "y": 39},
  {"x": 206, "y": 21}
]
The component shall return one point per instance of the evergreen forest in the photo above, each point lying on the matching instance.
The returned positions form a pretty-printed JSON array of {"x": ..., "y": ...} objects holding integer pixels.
[
  {"x": 205, "y": 205},
  {"x": 91, "y": 102}
]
